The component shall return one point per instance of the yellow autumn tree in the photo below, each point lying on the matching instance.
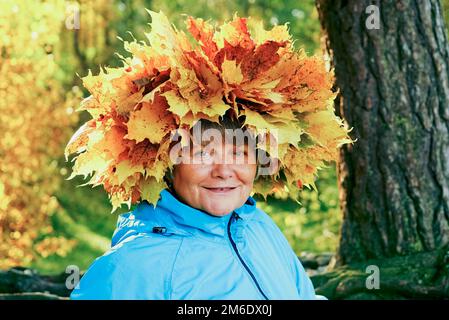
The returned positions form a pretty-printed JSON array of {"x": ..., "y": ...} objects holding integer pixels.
[{"x": 35, "y": 119}]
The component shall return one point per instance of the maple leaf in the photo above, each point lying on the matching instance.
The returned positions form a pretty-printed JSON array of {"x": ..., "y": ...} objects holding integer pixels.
[
  {"x": 88, "y": 162},
  {"x": 112, "y": 143},
  {"x": 325, "y": 128},
  {"x": 143, "y": 153},
  {"x": 203, "y": 32},
  {"x": 178, "y": 105},
  {"x": 152, "y": 121},
  {"x": 264, "y": 57},
  {"x": 150, "y": 189},
  {"x": 278, "y": 33},
  {"x": 231, "y": 72},
  {"x": 79, "y": 139},
  {"x": 125, "y": 169},
  {"x": 235, "y": 33}
]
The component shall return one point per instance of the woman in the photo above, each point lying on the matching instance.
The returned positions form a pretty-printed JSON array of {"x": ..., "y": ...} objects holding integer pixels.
[{"x": 205, "y": 239}]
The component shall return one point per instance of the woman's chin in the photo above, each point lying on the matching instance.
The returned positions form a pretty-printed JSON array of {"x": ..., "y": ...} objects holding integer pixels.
[
  {"x": 221, "y": 203},
  {"x": 219, "y": 211}
]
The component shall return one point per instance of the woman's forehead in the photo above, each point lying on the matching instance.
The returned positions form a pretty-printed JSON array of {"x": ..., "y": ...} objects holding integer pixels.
[
  {"x": 222, "y": 145},
  {"x": 226, "y": 141},
  {"x": 235, "y": 137}
]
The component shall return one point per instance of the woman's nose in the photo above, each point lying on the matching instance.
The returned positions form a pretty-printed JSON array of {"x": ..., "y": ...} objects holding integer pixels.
[{"x": 221, "y": 170}]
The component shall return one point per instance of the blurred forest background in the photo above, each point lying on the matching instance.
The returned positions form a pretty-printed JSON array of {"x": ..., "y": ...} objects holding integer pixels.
[{"x": 47, "y": 222}]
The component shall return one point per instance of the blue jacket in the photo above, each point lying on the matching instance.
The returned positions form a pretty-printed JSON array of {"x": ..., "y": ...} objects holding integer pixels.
[{"x": 175, "y": 251}]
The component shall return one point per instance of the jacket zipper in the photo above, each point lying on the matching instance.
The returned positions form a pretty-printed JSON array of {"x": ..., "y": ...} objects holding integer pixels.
[{"x": 234, "y": 246}]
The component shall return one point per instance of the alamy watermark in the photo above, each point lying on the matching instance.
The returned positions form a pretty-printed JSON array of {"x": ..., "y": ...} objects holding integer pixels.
[
  {"x": 73, "y": 278},
  {"x": 72, "y": 21},
  {"x": 372, "y": 22},
  {"x": 373, "y": 280},
  {"x": 233, "y": 146}
]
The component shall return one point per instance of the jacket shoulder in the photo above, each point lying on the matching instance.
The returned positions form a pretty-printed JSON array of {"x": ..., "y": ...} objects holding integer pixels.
[
  {"x": 139, "y": 267},
  {"x": 265, "y": 219},
  {"x": 275, "y": 233}
]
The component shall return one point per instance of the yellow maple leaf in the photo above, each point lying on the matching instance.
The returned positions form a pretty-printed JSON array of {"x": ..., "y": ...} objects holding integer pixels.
[
  {"x": 255, "y": 119},
  {"x": 88, "y": 162},
  {"x": 128, "y": 103},
  {"x": 178, "y": 105},
  {"x": 152, "y": 121},
  {"x": 288, "y": 133},
  {"x": 216, "y": 107},
  {"x": 231, "y": 72},
  {"x": 125, "y": 169},
  {"x": 150, "y": 189},
  {"x": 326, "y": 129},
  {"x": 112, "y": 144},
  {"x": 78, "y": 141},
  {"x": 260, "y": 35}
]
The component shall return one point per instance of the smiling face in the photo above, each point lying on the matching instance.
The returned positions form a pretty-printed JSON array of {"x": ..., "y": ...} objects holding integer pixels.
[{"x": 219, "y": 177}]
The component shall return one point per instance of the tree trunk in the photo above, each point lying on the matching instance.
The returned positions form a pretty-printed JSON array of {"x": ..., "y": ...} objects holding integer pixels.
[
  {"x": 394, "y": 92},
  {"x": 394, "y": 85}
]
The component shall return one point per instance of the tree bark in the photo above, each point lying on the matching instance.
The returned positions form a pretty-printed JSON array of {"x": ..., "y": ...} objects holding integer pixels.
[{"x": 394, "y": 91}]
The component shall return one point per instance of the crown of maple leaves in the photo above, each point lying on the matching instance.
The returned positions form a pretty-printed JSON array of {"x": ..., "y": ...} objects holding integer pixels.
[{"x": 173, "y": 82}]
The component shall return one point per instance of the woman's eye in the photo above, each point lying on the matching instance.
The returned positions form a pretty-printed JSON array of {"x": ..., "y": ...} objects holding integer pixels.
[
  {"x": 239, "y": 153},
  {"x": 202, "y": 153}
]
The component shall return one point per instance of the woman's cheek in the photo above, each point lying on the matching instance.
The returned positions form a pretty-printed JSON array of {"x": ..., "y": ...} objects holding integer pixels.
[
  {"x": 248, "y": 173},
  {"x": 200, "y": 172}
]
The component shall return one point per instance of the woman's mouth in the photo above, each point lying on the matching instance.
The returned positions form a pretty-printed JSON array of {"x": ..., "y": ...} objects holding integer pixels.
[{"x": 220, "y": 189}]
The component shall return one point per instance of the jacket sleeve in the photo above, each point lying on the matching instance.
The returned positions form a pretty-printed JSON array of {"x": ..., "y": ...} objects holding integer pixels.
[{"x": 106, "y": 280}]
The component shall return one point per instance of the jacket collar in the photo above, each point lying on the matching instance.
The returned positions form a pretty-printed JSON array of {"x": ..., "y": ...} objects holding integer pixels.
[
  {"x": 194, "y": 219},
  {"x": 178, "y": 218}
]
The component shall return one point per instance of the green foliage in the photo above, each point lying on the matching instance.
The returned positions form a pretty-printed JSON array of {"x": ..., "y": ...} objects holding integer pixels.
[{"x": 313, "y": 225}]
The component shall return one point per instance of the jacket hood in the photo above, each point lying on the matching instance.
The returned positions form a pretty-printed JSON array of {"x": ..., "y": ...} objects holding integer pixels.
[{"x": 175, "y": 217}]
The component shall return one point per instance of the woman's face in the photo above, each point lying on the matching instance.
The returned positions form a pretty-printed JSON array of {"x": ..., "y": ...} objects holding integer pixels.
[{"x": 219, "y": 180}]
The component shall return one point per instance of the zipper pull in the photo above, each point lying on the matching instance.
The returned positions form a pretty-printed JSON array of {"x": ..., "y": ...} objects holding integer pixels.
[{"x": 236, "y": 216}]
